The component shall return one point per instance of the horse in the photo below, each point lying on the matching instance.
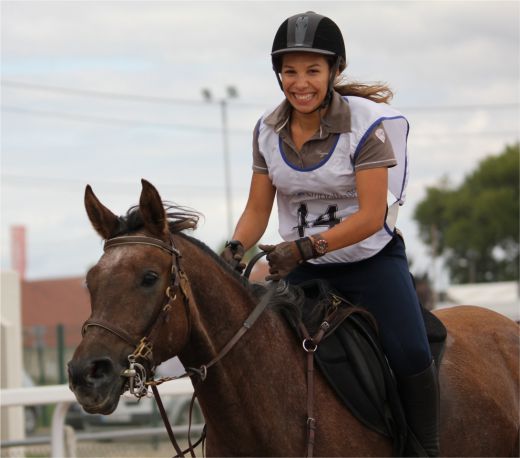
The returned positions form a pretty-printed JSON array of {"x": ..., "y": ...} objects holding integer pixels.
[{"x": 254, "y": 397}]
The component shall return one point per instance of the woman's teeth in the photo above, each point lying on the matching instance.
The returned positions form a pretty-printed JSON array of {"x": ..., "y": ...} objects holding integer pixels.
[{"x": 303, "y": 97}]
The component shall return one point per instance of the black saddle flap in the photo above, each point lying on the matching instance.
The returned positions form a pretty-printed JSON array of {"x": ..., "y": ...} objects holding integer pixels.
[{"x": 352, "y": 361}]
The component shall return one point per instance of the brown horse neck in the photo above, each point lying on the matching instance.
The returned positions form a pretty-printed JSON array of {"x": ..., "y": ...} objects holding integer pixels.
[
  {"x": 239, "y": 389},
  {"x": 222, "y": 302}
]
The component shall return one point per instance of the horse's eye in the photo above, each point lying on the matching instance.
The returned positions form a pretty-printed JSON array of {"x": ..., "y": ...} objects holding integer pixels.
[{"x": 149, "y": 278}]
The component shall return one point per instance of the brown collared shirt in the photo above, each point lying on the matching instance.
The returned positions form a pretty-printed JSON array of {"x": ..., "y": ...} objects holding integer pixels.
[{"x": 376, "y": 151}]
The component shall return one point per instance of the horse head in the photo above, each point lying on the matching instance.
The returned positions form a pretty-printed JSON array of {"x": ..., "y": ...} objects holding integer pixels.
[{"x": 136, "y": 292}]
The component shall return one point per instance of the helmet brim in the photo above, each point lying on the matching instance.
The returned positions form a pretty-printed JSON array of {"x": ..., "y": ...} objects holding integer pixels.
[{"x": 279, "y": 52}]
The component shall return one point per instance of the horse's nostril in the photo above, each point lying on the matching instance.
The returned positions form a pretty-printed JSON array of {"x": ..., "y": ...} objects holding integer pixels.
[
  {"x": 94, "y": 372},
  {"x": 99, "y": 369},
  {"x": 76, "y": 373}
]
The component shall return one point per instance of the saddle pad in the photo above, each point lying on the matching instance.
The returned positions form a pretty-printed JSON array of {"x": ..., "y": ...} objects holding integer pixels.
[
  {"x": 352, "y": 360},
  {"x": 436, "y": 332}
]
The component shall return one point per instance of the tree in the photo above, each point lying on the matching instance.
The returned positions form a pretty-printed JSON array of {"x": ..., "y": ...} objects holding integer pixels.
[{"x": 476, "y": 226}]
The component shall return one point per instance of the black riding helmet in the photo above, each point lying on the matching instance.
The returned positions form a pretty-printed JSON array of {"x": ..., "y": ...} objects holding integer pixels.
[{"x": 310, "y": 32}]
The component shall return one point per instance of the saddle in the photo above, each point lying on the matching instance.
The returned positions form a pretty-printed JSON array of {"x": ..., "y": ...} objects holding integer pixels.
[{"x": 351, "y": 358}]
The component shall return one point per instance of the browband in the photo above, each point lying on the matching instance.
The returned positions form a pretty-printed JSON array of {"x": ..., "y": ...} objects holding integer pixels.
[{"x": 140, "y": 240}]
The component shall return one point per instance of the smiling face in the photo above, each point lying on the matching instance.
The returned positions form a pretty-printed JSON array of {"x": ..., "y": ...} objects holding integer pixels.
[{"x": 305, "y": 79}]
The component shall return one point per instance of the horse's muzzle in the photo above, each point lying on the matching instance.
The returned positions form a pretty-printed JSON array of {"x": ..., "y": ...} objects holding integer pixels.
[{"x": 96, "y": 383}]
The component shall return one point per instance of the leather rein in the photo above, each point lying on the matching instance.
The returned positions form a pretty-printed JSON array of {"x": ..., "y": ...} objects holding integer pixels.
[{"x": 138, "y": 380}]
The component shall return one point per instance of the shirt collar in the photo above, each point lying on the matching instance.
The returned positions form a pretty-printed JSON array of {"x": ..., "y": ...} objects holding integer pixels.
[{"x": 335, "y": 120}]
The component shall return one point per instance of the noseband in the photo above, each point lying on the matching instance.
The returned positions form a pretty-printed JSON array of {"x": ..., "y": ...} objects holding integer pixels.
[{"x": 143, "y": 348}]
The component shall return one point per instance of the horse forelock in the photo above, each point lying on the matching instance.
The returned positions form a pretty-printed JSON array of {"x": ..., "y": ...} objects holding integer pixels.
[{"x": 179, "y": 219}]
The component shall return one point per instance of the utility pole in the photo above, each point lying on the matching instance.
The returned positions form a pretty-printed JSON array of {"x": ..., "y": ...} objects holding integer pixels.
[{"x": 231, "y": 93}]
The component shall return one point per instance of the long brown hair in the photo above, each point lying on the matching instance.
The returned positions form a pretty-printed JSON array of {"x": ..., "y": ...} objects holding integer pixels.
[{"x": 378, "y": 92}]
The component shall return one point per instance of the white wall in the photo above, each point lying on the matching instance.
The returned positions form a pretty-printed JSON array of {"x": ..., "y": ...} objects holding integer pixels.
[
  {"x": 12, "y": 418},
  {"x": 502, "y": 297}
]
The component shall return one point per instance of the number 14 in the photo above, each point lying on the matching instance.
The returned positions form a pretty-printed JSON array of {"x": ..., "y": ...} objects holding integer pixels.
[{"x": 328, "y": 219}]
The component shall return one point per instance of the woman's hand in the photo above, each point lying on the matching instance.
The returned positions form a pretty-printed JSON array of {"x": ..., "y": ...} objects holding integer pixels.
[
  {"x": 233, "y": 254},
  {"x": 285, "y": 256}
]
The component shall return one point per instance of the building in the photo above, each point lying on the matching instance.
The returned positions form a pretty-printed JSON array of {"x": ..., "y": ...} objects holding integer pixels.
[
  {"x": 53, "y": 312},
  {"x": 502, "y": 297}
]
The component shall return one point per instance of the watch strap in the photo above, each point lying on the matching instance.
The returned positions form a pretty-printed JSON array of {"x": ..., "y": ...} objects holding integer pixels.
[{"x": 305, "y": 247}]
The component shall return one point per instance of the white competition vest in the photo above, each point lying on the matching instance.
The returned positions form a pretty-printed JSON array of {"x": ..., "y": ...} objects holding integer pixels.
[{"x": 311, "y": 200}]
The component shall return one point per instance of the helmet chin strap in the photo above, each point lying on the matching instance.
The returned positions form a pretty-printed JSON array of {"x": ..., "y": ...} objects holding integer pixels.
[{"x": 330, "y": 88}]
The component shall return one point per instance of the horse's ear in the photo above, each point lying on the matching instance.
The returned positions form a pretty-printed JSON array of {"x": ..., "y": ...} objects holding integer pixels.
[
  {"x": 104, "y": 221},
  {"x": 152, "y": 210}
]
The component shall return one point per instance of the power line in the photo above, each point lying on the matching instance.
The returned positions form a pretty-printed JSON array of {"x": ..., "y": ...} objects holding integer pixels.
[
  {"x": 170, "y": 100},
  {"x": 483, "y": 106},
  {"x": 68, "y": 182},
  {"x": 108, "y": 121},
  {"x": 77, "y": 117},
  {"x": 112, "y": 95},
  {"x": 101, "y": 94},
  {"x": 468, "y": 134}
]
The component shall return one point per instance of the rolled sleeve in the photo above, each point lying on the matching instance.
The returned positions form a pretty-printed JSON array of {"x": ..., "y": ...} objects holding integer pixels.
[
  {"x": 259, "y": 164},
  {"x": 376, "y": 152}
]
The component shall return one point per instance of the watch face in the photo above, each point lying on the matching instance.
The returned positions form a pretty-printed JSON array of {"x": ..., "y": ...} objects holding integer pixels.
[{"x": 321, "y": 246}]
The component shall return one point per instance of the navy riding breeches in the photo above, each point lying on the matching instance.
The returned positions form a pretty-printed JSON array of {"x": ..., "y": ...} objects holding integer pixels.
[{"x": 384, "y": 286}]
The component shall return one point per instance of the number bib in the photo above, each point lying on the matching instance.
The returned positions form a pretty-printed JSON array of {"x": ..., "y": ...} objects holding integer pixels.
[{"x": 311, "y": 200}]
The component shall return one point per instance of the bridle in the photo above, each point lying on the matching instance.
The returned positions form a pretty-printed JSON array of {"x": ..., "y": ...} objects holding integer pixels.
[
  {"x": 138, "y": 380},
  {"x": 143, "y": 348}
]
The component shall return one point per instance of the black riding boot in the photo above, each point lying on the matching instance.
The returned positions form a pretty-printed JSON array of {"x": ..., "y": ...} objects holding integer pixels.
[{"x": 420, "y": 398}]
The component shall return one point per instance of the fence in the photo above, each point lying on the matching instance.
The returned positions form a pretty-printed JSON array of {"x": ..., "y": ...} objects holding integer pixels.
[
  {"x": 47, "y": 349},
  {"x": 62, "y": 397}
]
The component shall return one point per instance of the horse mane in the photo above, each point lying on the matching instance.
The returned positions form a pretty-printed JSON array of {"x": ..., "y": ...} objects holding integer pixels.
[
  {"x": 217, "y": 259},
  {"x": 293, "y": 302},
  {"x": 307, "y": 302}
]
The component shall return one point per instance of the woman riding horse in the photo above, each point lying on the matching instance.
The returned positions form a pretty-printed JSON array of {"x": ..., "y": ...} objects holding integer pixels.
[
  {"x": 335, "y": 157},
  {"x": 157, "y": 293}
]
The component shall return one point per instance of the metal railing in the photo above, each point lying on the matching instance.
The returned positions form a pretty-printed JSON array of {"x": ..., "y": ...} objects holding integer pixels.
[{"x": 63, "y": 398}]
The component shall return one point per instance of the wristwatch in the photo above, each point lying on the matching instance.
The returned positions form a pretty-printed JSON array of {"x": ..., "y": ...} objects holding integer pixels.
[{"x": 319, "y": 245}]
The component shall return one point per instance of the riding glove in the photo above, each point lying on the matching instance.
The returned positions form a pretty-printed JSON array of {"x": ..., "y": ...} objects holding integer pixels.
[
  {"x": 233, "y": 254},
  {"x": 285, "y": 256}
]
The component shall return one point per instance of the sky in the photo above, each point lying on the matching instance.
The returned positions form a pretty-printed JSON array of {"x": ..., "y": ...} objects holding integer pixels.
[{"x": 108, "y": 92}]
